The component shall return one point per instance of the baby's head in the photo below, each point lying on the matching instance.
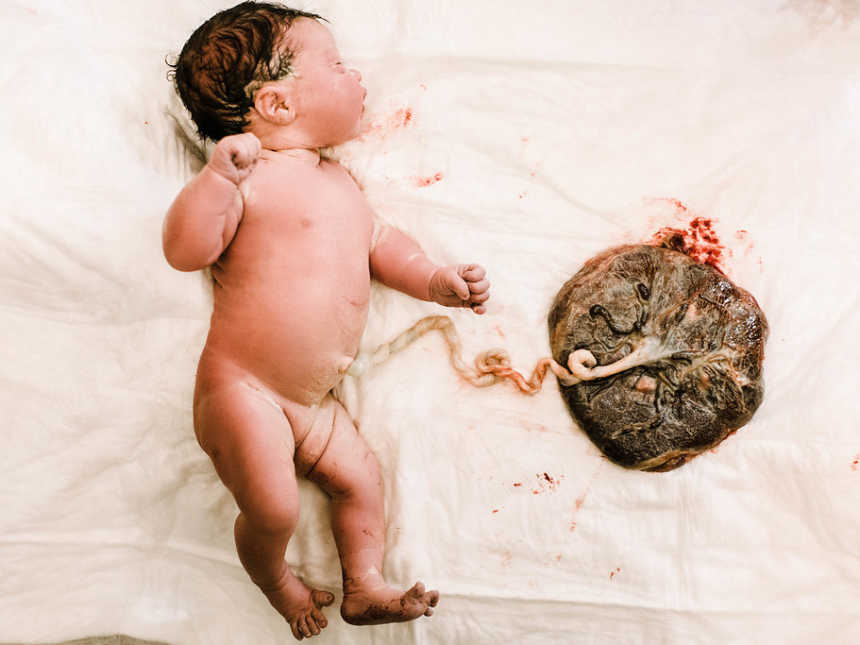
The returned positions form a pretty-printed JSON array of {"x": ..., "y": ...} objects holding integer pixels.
[{"x": 265, "y": 65}]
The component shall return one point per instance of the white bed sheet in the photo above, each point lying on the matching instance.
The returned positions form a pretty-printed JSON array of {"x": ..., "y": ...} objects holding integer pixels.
[{"x": 523, "y": 138}]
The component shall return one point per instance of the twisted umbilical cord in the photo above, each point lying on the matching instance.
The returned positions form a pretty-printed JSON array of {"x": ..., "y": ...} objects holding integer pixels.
[{"x": 491, "y": 366}]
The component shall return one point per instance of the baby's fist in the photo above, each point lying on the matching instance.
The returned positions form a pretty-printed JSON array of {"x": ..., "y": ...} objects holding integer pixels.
[
  {"x": 235, "y": 156},
  {"x": 461, "y": 285}
]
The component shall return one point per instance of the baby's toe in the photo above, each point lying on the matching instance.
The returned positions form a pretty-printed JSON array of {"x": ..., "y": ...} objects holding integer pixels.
[
  {"x": 294, "y": 627},
  {"x": 321, "y": 598},
  {"x": 319, "y": 618}
]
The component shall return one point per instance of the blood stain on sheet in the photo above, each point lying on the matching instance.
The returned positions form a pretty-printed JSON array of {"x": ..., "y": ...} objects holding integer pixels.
[
  {"x": 421, "y": 182},
  {"x": 383, "y": 126},
  {"x": 856, "y": 463},
  {"x": 580, "y": 501},
  {"x": 495, "y": 510},
  {"x": 547, "y": 483},
  {"x": 612, "y": 573},
  {"x": 536, "y": 426},
  {"x": 516, "y": 484}
]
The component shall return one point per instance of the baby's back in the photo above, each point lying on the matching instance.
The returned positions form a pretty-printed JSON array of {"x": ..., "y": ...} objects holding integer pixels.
[{"x": 291, "y": 290}]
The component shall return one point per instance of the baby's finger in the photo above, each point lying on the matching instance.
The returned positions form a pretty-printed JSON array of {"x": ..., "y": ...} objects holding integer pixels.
[
  {"x": 459, "y": 287},
  {"x": 479, "y": 309},
  {"x": 472, "y": 272},
  {"x": 480, "y": 286},
  {"x": 480, "y": 297}
]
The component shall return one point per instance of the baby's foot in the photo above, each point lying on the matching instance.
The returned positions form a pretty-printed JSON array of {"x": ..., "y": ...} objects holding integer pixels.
[
  {"x": 387, "y": 605},
  {"x": 300, "y": 605}
]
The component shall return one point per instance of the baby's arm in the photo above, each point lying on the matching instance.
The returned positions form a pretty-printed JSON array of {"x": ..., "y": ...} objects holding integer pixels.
[
  {"x": 398, "y": 262},
  {"x": 204, "y": 216}
]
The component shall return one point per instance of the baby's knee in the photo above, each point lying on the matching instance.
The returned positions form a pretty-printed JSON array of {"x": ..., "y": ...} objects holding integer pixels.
[{"x": 271, "y": 513}]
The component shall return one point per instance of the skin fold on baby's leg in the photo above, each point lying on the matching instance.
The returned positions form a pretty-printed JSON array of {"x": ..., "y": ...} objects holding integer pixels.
[
  {"x": 349, "y": 473},
  {"x": 250, "y": 443}
]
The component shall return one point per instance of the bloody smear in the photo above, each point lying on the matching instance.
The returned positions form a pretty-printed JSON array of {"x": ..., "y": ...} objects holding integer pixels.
[
  {"x": 580, "y": 501},
  {"x": 612, "y": 573},
  {"x": 546, "y": 482},
  {"x": 855, "y": 463},
  {"x": 402, "y": 118},
  {"x": 699, "y": 241},
  {"x": 427, "y": 181}
]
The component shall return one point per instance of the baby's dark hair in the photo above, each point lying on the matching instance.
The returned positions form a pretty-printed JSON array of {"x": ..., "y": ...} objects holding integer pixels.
[{"x": 227, "y": 59}]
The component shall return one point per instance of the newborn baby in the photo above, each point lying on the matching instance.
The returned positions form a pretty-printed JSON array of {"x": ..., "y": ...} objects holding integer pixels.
[{"x": 292, "y": 246}]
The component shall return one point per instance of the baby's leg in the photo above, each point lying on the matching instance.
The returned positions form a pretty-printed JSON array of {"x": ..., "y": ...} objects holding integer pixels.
[
  {"x": 251, "y": 444},
  {"x": 349, "y": 473}
]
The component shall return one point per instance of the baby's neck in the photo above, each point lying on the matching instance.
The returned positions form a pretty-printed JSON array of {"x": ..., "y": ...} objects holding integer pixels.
[{"x": 310, "y": 156}]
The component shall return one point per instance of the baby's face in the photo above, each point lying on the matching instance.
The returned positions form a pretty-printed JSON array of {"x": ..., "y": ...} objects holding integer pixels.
[{"x": 329, "y": 97}]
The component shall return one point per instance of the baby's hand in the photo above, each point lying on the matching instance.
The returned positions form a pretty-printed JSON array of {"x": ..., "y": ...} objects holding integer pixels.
[
  {"x": 235, "y": 156},
  {"x": 462, "y": 285}
]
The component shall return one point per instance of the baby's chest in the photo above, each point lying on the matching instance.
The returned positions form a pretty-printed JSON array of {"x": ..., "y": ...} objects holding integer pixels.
[{"x": 324, "y": 209}]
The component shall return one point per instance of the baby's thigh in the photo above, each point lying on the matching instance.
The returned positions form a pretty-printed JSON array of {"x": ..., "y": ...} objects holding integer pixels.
[
  {"x": 250, "y": 443},
  {"x": 347, "y": 465}
]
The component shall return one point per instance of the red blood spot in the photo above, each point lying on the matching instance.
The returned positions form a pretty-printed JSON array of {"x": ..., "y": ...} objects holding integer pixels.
[
  {"x": 741, "y": 233},
  {"x": 699, "y": 241},
  {"x": 146, "y": 123},
  {"x": 856, "y": 462},
  {"x": 612, "y": 573},
  {"x": 495, "y": 510},
  {"x": 518, "y": 484},
  {"x": 383, "y": 126},
  {"x": 547, "y": 483},
  {"x": 680, "y": 207},
  {"x": 427, "y": 181},
  {"x": 581, "y": 499}
]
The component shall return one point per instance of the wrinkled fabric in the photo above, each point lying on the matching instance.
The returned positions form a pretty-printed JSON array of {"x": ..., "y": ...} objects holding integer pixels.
[{"x": 527, "y": 140}]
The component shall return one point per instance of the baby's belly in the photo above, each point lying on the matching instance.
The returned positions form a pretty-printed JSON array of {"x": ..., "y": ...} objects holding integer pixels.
[{"x": 297, "y": 339}]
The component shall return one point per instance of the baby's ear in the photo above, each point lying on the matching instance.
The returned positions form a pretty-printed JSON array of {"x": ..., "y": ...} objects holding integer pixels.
[{"x": 274, "y": 102}]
